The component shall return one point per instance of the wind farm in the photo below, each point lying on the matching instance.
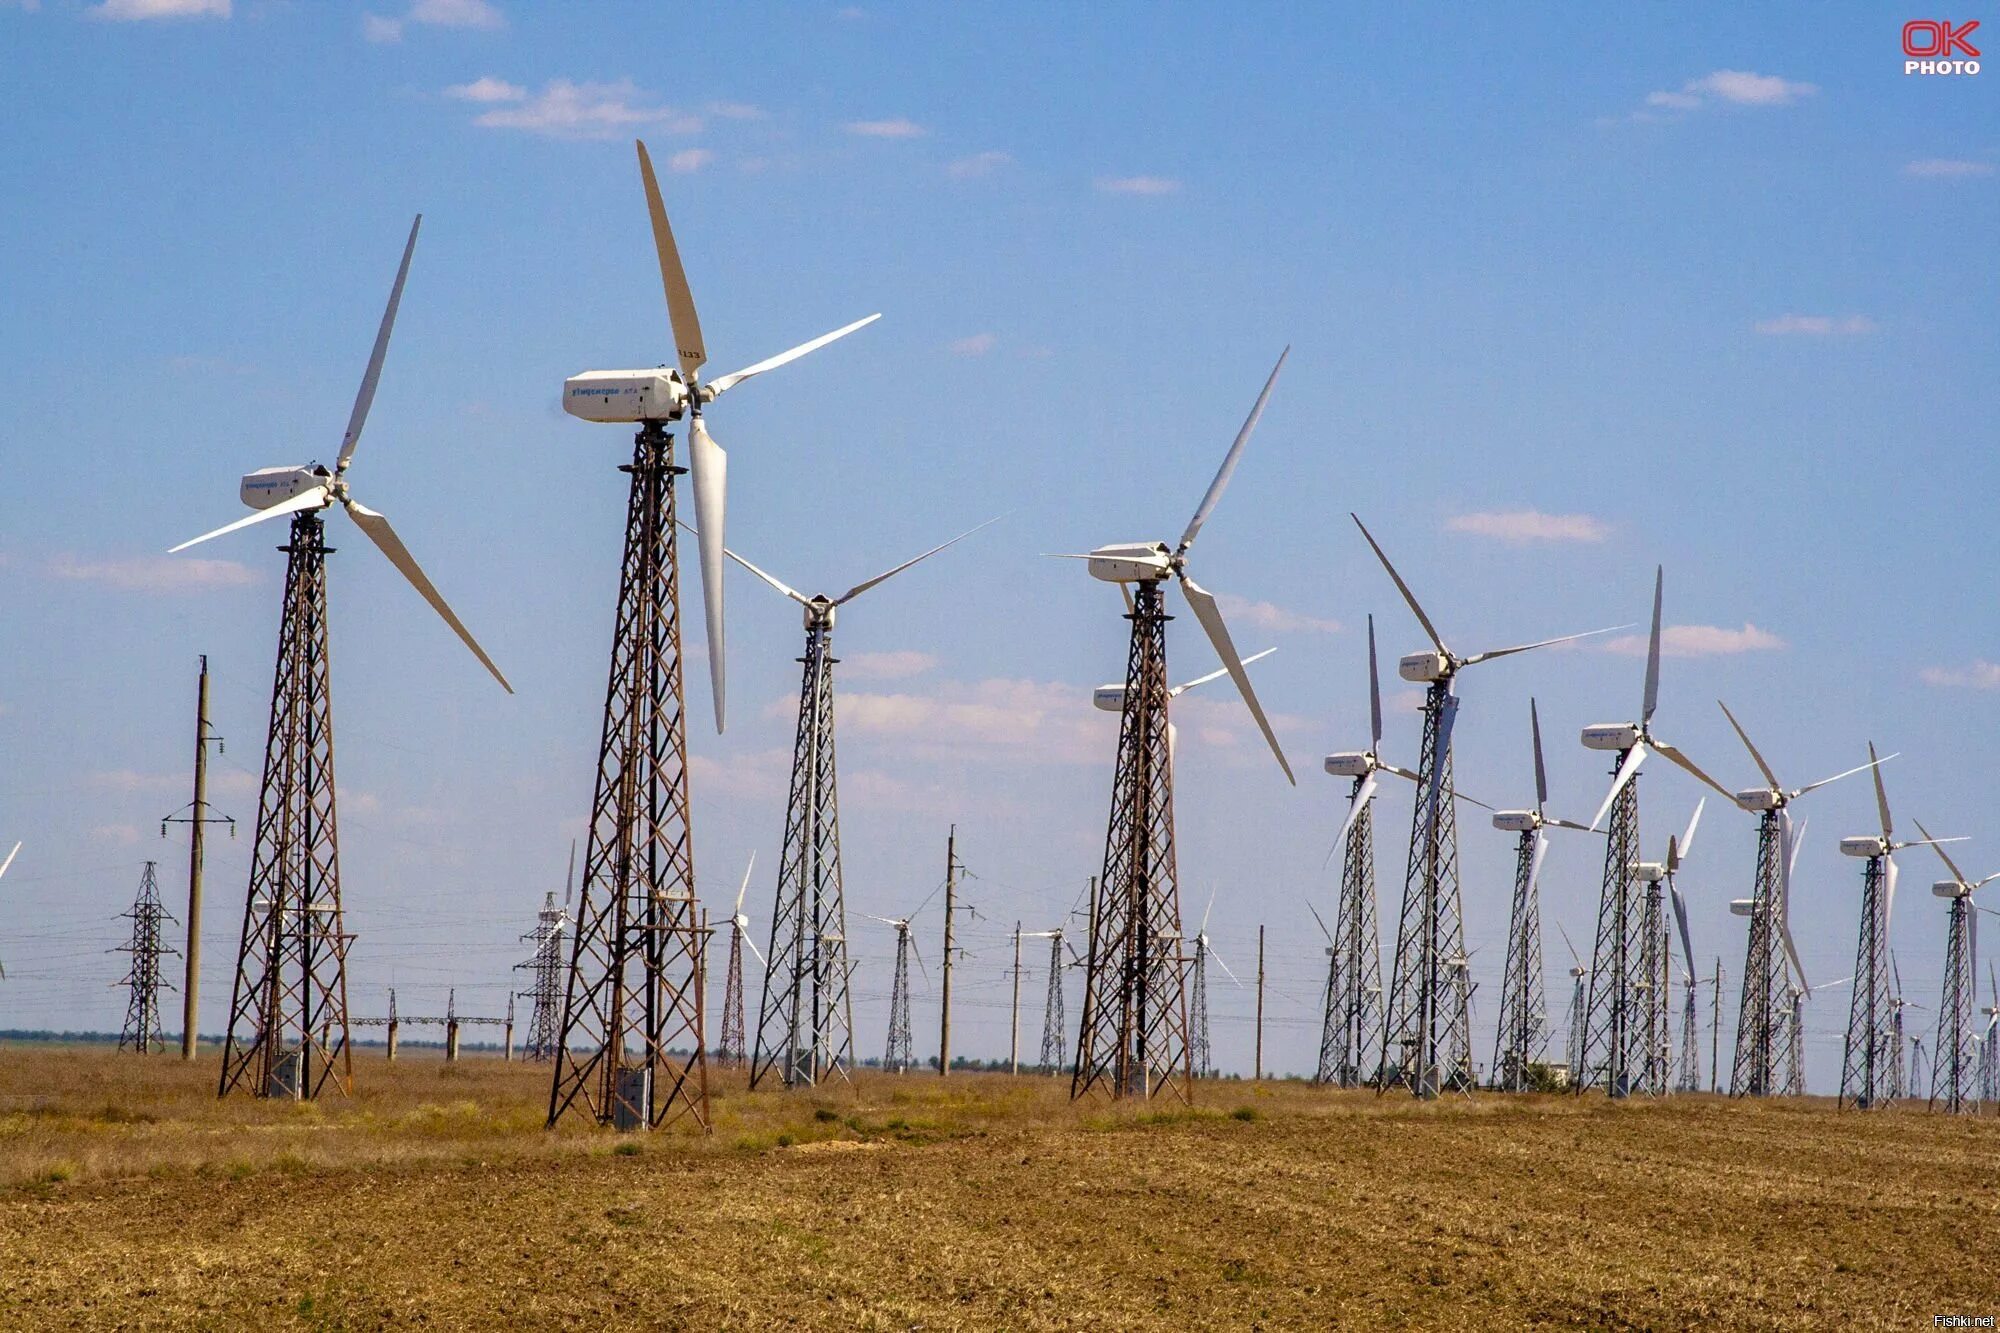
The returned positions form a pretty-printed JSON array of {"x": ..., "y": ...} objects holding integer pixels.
[{"x": 996, "y": 960}]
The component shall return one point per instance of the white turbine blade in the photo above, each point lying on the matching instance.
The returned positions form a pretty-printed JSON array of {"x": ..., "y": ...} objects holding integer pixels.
[
  {"x": 307, "y": 499},
  {"x": 710, "y": 466},
  {"x": 710, "y": 390},
  {"x": 365, "y": 399},
  {"x": 1889, "y": 904},
  {"x": 1217, "y": 674},
  {"x": 1210, "y": 617},
  {"x": 1362, "y": 795},
  {"x": 690, "y": 352},
  {"x": 1633, "y": 758},
  {"x": 1681, "y": 920},
  {"x": 385, "y": 538},
  {"x": 1795, "y": 842},
  {"x": 10, "y": 859},
  {"x": 1225, "y": 968},
  {"x": 1859, "y": 768},
  {"x": 1677, "y": 757},
  {"x": 860, "y": 588},
  {"x": 1458, "y": 795},
  {"x": 1540, "y": 643},
  {"x": 1535, "y": 859},
  {"x": 1541, "y": 770},
  {"x": 1322, "y": 922},
  {"x": 1406, "y": 774},
  {"x": 1204, "y": 913},
  {"x": 1572, "y": 824},
  {"x": 761, "y": 961},
  {"x": 1447, "y": 719},
  {"x": 1229, "y": 460},
  {"x": 1652, "y": 696},
  {"x": 1374, "y": 693},
  {"x": 769, "y": 578},
  {"x": 1881, "y": 797},
  {"x": 1786, "y": 855},
  {"x": 1943, "y": 855},
  {"x": 1744, "y": 736},
  {"x": 1687, "y": 838},
  {"x": 1574, "y": 960},
  {"x": 1173, "y": 745},
  {"x": 746, "y": 883},
  {"x": 1401, "y": 586}
]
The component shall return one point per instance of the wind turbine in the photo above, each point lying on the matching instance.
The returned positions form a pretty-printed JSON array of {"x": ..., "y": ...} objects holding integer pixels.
[
  {"x": 1426, "y": 1018},
  {"x": 1872, "y": 1042},
  {"x": 1677, "y": 850},
  {"x": 1989, "y": 1043},
  {"x": 1110, "y": 697},
  {"x": 1522, "y": 1037},
  {"x": 633, "y": 1051},
  {"x": 1898, "y": 1087},
  {"x": 1579, "y": 976},
  {"x": 1133, "y": 1038},
  {"x": 1618, "y": 1036},
  {"x": 1652, "y": 979},
  {"x": 1352, "y": 1029},
  {"x": 1769, "y": 909},
  {"x": 805, "y": 1027},
  {"x": 1795, "y": 1033},
  {"x": 1951, "y": 1061},
  {"x": 1204, "y": 1058},
  {"x": 734, "y": 1050},
  {"x": 900, "y": 1054},
  {"x": 3, "y": 874},
  {"x": 288, "y": 1027}
]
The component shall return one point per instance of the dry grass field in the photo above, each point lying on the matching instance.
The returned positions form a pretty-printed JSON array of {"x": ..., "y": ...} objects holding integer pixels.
[{"x": 131, "y": 1198}]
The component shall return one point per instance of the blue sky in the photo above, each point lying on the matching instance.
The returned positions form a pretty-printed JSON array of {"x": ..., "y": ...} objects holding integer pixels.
[{"x": 1566, "y": 299}]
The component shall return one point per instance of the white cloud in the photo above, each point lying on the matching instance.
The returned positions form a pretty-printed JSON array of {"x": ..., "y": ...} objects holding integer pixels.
[
  {"x": 1737, "y": 87},
  {"x": 757, "y": 775},
  {"x": 690, "y": 159},
  {"x": 898, "y": 665},
  {"x": 735, "y": 111},
  {"x": 1981, "y": 675},
  {"x": 1699, "y": 641},
  {"x": 979, "y": 164},
  {"x": 896, "y": 128},
  {"x": 1148, "y": 185},
  {"x": 487, "y": 89},
  {"x": 1947, "y": 168},
  {"x": 567, "y": 110},
  {"x": 1241, "y": 611},
  {"x": 152, "y": 573},
  {"x": 125, "y": 11},
  {"x": 380, "y": 30},
  {"x": 1023, "y": 720},
  {"x": 1816, "y": 326},
  {"x": 978, "y": 344},
  {"x": 1530, "y": 525},
  {"x": 457, "y": 14}
]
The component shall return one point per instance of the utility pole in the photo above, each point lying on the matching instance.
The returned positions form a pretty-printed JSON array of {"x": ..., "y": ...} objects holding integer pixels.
[
  {"x": 196, "y": 818},
  {"x": 1014, "y": 1037},
  {"x": 1715, "y": 1031},
  {"x": 950, "y": 904},
  {"x": 1259, "y": 1063}
]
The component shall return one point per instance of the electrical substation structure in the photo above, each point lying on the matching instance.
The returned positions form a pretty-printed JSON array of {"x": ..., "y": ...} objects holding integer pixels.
[
  {"x": 143, "y": 982},
  {"x": 632, "y": 1051},
  {"x": 1133, "y": 1038}
]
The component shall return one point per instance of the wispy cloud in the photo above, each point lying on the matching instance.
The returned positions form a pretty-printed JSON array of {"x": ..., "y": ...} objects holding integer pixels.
[
  {"x": 1271, "y": 617},
  {"x": 152, "y": 573},
  {"x": 1816, "y": 326},
  {"x": 1699, "y": 641},
  {"x": 1145, "y": 185},
  {"x": 897, "y": 665},
  {"x": 690, "y": 159},
  {"x": 896, "y": 128},
  {"x": 487, "y": 89},
  {"x": 977, "y": 344},
  {"x": 1947, "y": 168},
  {"x": 476, "y": 14},
  {"x": 568, "y": 110},
  {"x": 133, "y": 11},
  {"x": 979, "y": 164},
  {"x": 734, "y": 111},
  {"x": 1981, "y": 675},
  {"x": 1530, "y": 525},
  {"x": 1734, "y": 87}
]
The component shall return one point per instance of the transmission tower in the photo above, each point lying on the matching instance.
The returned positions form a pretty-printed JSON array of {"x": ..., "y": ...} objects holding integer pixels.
[
  {"x": 545, "y": 970},
  {"x": 1054, "y": 1025},
  {"x": 1898, "y": 1086},
  {"x": 1204, "y": 1066},
  {"x": 1690, "y": 1062},
  {"x": 143, "y": 981},
  {"x": 1989, "y": 1044},
  {"x": 1952, "y": 1086},
  {"x": 1352, "y": 1030},
  {"x": 901, "y": 1052},
  {"x": 1579, "y": 980}
]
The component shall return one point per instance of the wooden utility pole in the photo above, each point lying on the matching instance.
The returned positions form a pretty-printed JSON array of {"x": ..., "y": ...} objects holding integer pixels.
[
  {"x": 197, "y": 819},
  {"x": 1014, "y": 1036},
  {"x": 1259, "y": 1067},
  {"x": 950, "y": 903},
  {"x": 1715, "y": 1029}
]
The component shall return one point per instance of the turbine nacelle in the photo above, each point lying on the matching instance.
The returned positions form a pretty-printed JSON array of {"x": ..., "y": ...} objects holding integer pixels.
[
  {"x": 1951, "y": 888},
  {"x": 269, "y": 486},
  {"x": 1131, "y": 562},
  {"x": 1742, "y": 906},
  {"x": 1423, "y": 668},
  {"x": 1759, "y": 799},
  {"x": 626, "y": 395},
  {"x": 1867, "y": 848},
  {"x": 1613, "y": 736},
  {"x": 1517, "y": 821},
  {"x": 1352, "y": 764},
  {"x": 819, "y": 611},
  {"x": 1649, "y": 872}
]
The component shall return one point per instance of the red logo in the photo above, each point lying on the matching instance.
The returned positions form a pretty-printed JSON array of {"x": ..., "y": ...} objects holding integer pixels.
[{"x": 1929, "y": 39}]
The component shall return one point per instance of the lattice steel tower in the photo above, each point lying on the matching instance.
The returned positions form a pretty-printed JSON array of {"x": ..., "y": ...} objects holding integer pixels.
[
  {"x": 545, "y": 968},
  {"x": 1054, "y": 1025},
  {"x": 1427, "y": 1041},
  {"x": 901, "y": 1053},
  {"x": 1133, "y": 1036},
  {"x": 1953, "y": 1088},
  {"x": 142, "y": 981},
  {"x": 1351, "y": 1031},
  {"x": 1689, "y": 1079}
]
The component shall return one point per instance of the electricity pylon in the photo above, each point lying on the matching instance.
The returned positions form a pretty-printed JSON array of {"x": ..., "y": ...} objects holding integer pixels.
[
  {"x": 1689, "y": 1079},
  {"x": 1054, "y": 1025},
  {"x": 901, "y": 1052},
  {"x": 143, "y": 981},
  {"x": 734, "y": 1049},
  {"x": 545, "y": 969}
]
